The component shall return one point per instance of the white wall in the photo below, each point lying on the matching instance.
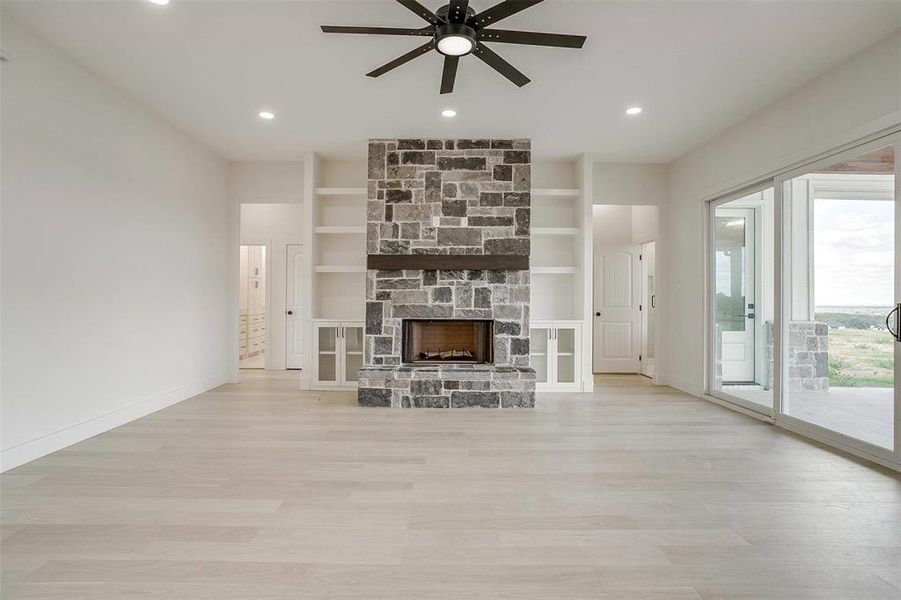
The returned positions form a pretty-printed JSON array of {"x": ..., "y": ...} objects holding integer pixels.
[
  {"x": 115, "y": 256},
  {"x": 276, "y": 226},
  {"x": 630, "y": 183},
  {"x": 858, "y": 97},
  {"x": 266, "y": 182},
  {"x": 623, "y": 224}
]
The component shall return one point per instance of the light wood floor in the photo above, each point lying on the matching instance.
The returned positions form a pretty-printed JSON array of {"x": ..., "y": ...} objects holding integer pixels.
[{"x": 259, "y": 491}]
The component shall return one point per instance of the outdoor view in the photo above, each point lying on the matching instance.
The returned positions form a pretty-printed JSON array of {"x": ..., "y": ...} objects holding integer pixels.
[{"x": 854, "y": 275}]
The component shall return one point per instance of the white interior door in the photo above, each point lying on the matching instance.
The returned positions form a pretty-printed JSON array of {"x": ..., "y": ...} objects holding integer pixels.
[
  {"x": 735, "y": 292},
  {"x": 617, "y": 320},
  {"x": 293, "y": 310},
  {"x": 649, "y": 307}
]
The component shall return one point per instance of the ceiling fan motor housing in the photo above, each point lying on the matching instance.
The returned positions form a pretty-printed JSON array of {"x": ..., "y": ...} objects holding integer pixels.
[{"x": 455, "y": 30}]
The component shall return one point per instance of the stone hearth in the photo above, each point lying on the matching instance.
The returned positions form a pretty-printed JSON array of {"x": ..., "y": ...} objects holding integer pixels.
[{"x": 454, "y": 198}]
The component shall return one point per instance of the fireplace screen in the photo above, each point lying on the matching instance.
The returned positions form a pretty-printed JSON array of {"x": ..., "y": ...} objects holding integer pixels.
[{"x": 448, "y": 341}]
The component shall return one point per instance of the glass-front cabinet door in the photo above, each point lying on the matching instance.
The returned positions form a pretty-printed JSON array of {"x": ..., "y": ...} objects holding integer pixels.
[
  {"x": 352, "y": 338},
  {"x": 554, "y": 349},
  {"x": 327, "y": 368},
  {"x": 565, "y": 337},
  {"x": 539, "y": 345}
]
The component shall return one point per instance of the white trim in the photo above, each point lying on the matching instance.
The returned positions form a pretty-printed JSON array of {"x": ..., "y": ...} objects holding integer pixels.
[
  {"x": 841, "y": 186},
  {"x": 881, "y": 129},
  {"x": 555, "y": 231},
  {"x": 828, "y": 439},
  {"x": 339, "y": 230},
  {"x": 338, "y": 191},
  {"x": 558, "y": 192},
  {"x": 20, "y": 454},
  {"x": 739, "y": 408}
]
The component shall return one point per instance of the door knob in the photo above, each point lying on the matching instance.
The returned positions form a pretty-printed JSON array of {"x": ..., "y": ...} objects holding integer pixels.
[
  {"x": 597, "y": 314},
  {"x": 290, "y": 312}
]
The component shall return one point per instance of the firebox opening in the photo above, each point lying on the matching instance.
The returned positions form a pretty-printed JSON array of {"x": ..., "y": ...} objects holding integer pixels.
[{"x": 448, "y": 341}]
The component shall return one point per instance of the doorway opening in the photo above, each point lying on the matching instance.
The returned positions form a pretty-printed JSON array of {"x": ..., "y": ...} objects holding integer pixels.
[
  {"x": 252, "y": 281},
  {"x": 624, "y": 289}
]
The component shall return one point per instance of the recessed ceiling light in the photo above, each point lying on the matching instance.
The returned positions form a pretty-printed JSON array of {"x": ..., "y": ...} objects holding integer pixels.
[
  {"x": 448, "y": 112},
  {"x": 268, "y": 115},
  {"x": 160, "y": 2},
  {"x": 634, "y": 110}
]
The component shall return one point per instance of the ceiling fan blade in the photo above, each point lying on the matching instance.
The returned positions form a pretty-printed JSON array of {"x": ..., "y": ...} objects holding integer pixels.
[
  {"x": 378, "y": 30},
  {"x": 456, "y": 11},
  {"x": 449, "y": 76},
  {"x": 421, "y": 10},
  {"x": 402, "y": 59},
  {"x": 500, "y": 65},
  {"x": 532, "y": 38},
  {"x": 488, "y": 17}
]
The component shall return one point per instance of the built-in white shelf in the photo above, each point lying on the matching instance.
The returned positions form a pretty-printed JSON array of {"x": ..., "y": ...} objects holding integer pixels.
[
  {"x": 557, "y": 192},
  {"x": 341, "y": 230},
  {"x": 340, "y": 191},
  {"x": 554, "y": 270},
  {"x": 555, "y": 231},
  {"x": 340, "y": 268}
]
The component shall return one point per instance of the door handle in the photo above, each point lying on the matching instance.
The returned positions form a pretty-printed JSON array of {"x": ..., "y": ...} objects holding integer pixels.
[
  {"x": 653, "y": 300},
  {"x": 290, "y": 312},
  {"x": 597, "y": 314},
  {"x": 894, "y": 311}
]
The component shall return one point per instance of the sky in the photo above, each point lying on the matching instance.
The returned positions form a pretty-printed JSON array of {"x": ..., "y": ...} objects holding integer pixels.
[{"x": 854, "y": 253}]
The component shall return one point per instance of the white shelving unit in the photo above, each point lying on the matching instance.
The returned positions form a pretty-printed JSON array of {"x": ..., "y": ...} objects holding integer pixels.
[
  {"x": 561, "y": 280},
  {"x": 335, "y": 213}
]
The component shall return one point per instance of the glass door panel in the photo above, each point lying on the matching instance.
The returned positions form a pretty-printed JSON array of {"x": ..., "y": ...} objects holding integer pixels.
[
  {"x": 839, "y": 273},
  {"x": 353, "y": 353},
  {"x": 327, "y": 354},
  {"x": 742, "y": 276},
  {"x": 539, "y": 346},
  {"x": 566, "y": 355}
]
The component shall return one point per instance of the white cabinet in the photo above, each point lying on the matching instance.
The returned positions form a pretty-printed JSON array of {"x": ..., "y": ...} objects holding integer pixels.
[
  {"x": 253, "y": 301},
  {"x": 556, "y": 348},
  {"x": 338, "y": 353}
]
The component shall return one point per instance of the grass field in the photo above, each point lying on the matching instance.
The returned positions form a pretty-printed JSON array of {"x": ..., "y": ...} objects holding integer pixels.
[{"x": 861, "y": 352}]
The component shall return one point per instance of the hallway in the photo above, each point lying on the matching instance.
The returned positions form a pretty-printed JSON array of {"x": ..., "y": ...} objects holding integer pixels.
[{"x": 257, "y": 490}]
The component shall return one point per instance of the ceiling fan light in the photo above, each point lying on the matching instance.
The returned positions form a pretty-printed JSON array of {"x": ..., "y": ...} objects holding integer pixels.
[{"x": 455, "y": 45}]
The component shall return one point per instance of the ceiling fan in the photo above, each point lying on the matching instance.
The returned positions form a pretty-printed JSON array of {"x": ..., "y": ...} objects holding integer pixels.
[{"x": 456, "y": 30}]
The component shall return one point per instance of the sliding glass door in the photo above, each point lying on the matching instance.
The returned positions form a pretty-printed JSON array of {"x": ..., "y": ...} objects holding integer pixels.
[
  {"x": 741, "y": 281},
  {"x": 804, "y": 296},
  {"x": 839, "y": 285}
]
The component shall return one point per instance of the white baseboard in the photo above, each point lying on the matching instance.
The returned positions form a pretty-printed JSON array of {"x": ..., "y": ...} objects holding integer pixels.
[
  {"x": 42, "y": 446},
  {"x": 680, "y": 383}
]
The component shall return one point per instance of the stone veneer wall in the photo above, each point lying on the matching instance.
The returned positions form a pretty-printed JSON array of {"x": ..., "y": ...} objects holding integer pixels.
[
  {"x": 448, "y": 197},
  {"x": 808, "y": 356}
]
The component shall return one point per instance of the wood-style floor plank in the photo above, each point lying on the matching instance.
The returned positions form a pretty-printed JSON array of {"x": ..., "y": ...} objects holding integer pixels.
[{"x": 258, "y": 490}]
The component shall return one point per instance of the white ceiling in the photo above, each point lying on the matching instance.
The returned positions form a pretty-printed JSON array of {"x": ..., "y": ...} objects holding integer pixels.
[{"x": 695, "y": 67}]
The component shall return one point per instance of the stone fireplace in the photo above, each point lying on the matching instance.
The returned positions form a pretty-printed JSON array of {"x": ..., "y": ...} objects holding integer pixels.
[{"x": 447, "y": 290}]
